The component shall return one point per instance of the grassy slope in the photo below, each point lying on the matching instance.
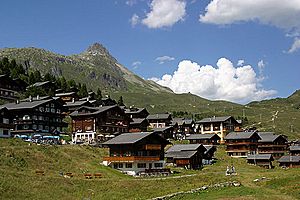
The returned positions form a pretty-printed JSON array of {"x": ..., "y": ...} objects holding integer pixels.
[{"x": 18, "y": 163}]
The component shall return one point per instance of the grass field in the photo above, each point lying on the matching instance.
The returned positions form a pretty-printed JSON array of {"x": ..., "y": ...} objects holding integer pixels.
[{"x": 18, "y": 163}]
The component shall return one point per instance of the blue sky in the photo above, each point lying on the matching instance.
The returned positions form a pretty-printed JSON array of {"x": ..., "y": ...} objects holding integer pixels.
[{"x": 157, "y": 37}]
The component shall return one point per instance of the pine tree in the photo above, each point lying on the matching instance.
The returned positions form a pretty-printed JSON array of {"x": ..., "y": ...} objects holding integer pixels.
[
  {"x": 83, "y": 91},
  {"x": 99, "y": 94},
  {"x": 120, "y": 101}
]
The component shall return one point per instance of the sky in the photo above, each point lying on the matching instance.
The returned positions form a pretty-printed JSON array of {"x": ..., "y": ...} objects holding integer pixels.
[{"x": 232, "y": 50}]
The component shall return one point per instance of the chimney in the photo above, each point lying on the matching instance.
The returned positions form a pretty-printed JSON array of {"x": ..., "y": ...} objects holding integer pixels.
[
  {"x": 37, "y": 97},
  {"x": 30, "y": 98},
  {"x": 73, "y": 100},
  {"x": 17, "y": 101},
  {"x": 88, "y": 99}
]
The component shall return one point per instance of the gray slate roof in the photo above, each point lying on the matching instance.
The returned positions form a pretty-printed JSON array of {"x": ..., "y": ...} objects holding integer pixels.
[
  {"x": 260, "y": 157},
  {"x": 295, "y": 148},
  {"x": 134, "y": 110},
  {"x": 26, "y": 104},
  {"x": 159, "y": 116},
  {"x": 268, "y": 136},
  {"x": 213, "y": 119},
  {"x": 179, "y": 121},
  {"x": 128, "y": 138},
  {"x": 288, "y": 159},
  {"x": 94, "y": 110},
  {"x": 180, "y": 154},
  {"x": 138, "y": 120},
  {"x": 239, "y": 135},
  {"x": 201, "y": 136},
  {"x": 76, "y": 103},
  {"x": 38, "y": 84},
  {"x": 209, "y": 148},
  {"x": 162, "y": 129},
  {"x": 184, "y": 147},
  {"x": 64, "y": 94}
]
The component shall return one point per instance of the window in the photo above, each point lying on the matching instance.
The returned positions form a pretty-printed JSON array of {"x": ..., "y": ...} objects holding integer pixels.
[
  {"x": 41, "y": 109},
  {"x": 25, "y": 127},
  {"x": 40, "y": 127},
  {"x": 158, "y": 165},
  {"x": 120, "y": 165},
  {"x": 47, "y": 128},
  {"x": 53, "y": 110},
  {"x": 34, "y": 117},
  {"x": 57, "y": 110},
  {"x": 141, "y": 165},
  {"x": 26, "y": 117},
  {"x": 128, "y": 165},
  {"x": 5, "y": 132},
  {"x": 47, "y": 109},
  {"x": 34, "y": 126},
  {"x": 58, "y": 120},
  {"x": 41, "y": 118},
  {"x": 52, "y": 105},
  {"x": 115, "y": 165},
  {"x": 5, "y": 121}
]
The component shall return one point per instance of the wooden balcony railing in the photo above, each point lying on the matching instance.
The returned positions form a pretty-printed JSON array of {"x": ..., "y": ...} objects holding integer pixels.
[{"x": 131, "y": 158}]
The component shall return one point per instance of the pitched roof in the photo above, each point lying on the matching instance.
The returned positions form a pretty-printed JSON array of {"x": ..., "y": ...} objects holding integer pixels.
[
  {"x": 213, "y": 119},
  {"x": 260, "y": 157},
  {"x": 39, "y": 84},
  {"x": 179, "y": 121},
  {"x": 159, "y": 116},
  {"x": 64, "y": 94},
  {"x": 35, "y": 98},
  {"x": 138, "y": 120},
  {"x": 76, "y": 103},
  {"x": 128, "y": 138},
  {"x": 184, "y": 147},
  {"x": 268, "y": 136},
  {"x": 134, "y": 110},
  {"x": 162, "y": 129},
  {"x": 201, "y": 136},
  {"x": 94, "y": 110},
  {"x": 26, "y": 104},
  {"x": 294, "y": 148},
  {"x": 180, "y": 154},
  {"x": 239, "y": 135},
  {"x": 288, "y": 159},
  {"x": 188, "y": 121},
  {"x": 209, "y": 148}
]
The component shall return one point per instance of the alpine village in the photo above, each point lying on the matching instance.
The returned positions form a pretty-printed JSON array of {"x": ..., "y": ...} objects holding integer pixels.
[{"x": 67, "y": 133}]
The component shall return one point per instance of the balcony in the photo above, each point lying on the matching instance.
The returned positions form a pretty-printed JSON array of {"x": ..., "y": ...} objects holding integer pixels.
[{"x": 131, "y": 158}]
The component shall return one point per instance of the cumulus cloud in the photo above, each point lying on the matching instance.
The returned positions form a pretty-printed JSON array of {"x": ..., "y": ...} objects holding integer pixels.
[
  {"x": 165, "y": 13},
  {"x": 282, "y": 14},
  {"x": 136, "y": 64},
  {"x": 240, "y": 62},
  {"x": 163, "y": 59},
  {"x": 295, "y": 46},
  {"x": 223, "y": 82},
  {"x": 134, "y": 20}
]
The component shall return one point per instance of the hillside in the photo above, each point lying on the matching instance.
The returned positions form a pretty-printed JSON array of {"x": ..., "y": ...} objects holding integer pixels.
[
  {"x": 18, "y": 180},
  {"x": 97, "y": 68}
]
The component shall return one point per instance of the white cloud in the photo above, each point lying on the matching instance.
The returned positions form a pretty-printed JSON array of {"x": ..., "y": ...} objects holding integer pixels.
[
  {"x": 131, "y": 2},
  {"x": 295, "y": 46},
  {"x": 165, "y": 13},
  {"x": 163, "y": 59},
  {"x": 283, "y": 14},
  {"x": 135, "y": 19},
  {"x": 224, "y": 82},
  {"x": 240, "y": 62},
  {"x": 136, "y": 64}
]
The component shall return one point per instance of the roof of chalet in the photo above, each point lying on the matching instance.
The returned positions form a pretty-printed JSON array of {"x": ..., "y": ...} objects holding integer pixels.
[
  {"x": 64, "y": 94},
  {"x": 94, "y": 110},
  {"x": 214, "y": 119},
  {"x": 240, "y": 135},
  {"x": 260, "y": 157},
  {"x": 201, "y": 136},
  {"x": 184, "y": 147},
  {"x": 35, "y": 98},
  {"x": 128, "y": 138},
  {"x": 159, "y": 116},
  {"x": 209, "y": 148},
  {"x": 268, "y": 136},
  {"x": 179, "y": 121},
  {"x": 180, "y": 154},
  {"x": 289, "y": 159},
  {"x": 188, "y": 121},
  {"x": 75, "y": 103},
  {"x": 39, "y": 84},
  {"x": 26, "y": 104},
  {"x": 294, "y": 148},
  {"x": 162, "y": 129},
  {"x": 138, "y": 120},
  {"x": 134, "y": 110}
]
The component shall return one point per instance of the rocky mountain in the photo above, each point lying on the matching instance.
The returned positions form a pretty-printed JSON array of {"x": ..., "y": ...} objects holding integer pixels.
[{"x": 95, "y": 67}]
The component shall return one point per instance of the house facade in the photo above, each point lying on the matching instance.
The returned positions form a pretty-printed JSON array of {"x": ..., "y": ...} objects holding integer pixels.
[
  {"x": 289, "y": 161},
  {"x": 37, "y": 116},
  {"x": 294, "y": 150},
  {"x": 138, "y": 125},
  {"x": 5, "y": 123},
  {"x": 9, "y": 88},
  {"x": 263, "y": 160},
  {"x": 91, "y": 124},
  {"x": 159, "y": 120},
  {"x": 273, "y": 144},
  {"x": 218, "y": 125},
  {"x": 205, "y": 139},
  {"x": 240, "y": 144},
  {"x": 136, "y": 153}
]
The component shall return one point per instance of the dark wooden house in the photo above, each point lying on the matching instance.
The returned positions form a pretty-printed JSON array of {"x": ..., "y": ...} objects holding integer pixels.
[
  {"x": 240, "y": 144},
  {"x": 91, "y": 124},
  {"x": 136, "y": 153},
  {"x": 205, "y": 139},
  {"x": 186, "y": 155},
  {"x": 208, "y": 156},
  {"x": 166, "y": 132},
  {"x": 294, "y": 150},
  {"x": 68, "y": 96},
  {"x": 9, "y": 88},
  {"x": 133, "y": 112},
  {"x": 42, "y": 116},
  {"x": 159, "y": 120},
  {"x": 272, "y": 144},
  {"x": 263, "y": 160},
  {"x": 5, "y": 122},
  {"x": 138, "y": 125},
  {"x": 289, "y": 161}
]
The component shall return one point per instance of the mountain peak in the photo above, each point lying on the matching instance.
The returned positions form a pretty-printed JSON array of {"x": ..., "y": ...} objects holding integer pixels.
[{"x": 97, "y": 48}]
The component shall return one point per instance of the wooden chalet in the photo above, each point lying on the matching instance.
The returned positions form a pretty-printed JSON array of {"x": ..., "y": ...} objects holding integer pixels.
[
  {"x": 289, "y": 161},
  {"x": 136, "y": 153},
  {"x": 294, "y": 150},
  {"x": 186, "y": 155},
  {"x": 263, "y": 160},
  {"x": 5, "y": 123},
  {"x": 183, "y": 126},
  {"x": 240, "y": 144},
  {"x": 159, "y": 120},
  {"x": 133, "y": 112},
  {"x": 166, "y": 132},
  {"x": 45, "y": 85},
  {"x": 272, "y": 144},
  {"x": 68, "y": 96},
  {"x": 9, "y": 88},
  {"x": 107, "y": 101},
  {"x": 205, "y": 139},
  {"x": 208, "y": 156},
  {"x": 37, "y": 116},
  {"x": 138, "y": 125},
  {"x": 91, "y": 124},
  {"x": 74, "y": 105},
  {"x": 218, "y": 125}
]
